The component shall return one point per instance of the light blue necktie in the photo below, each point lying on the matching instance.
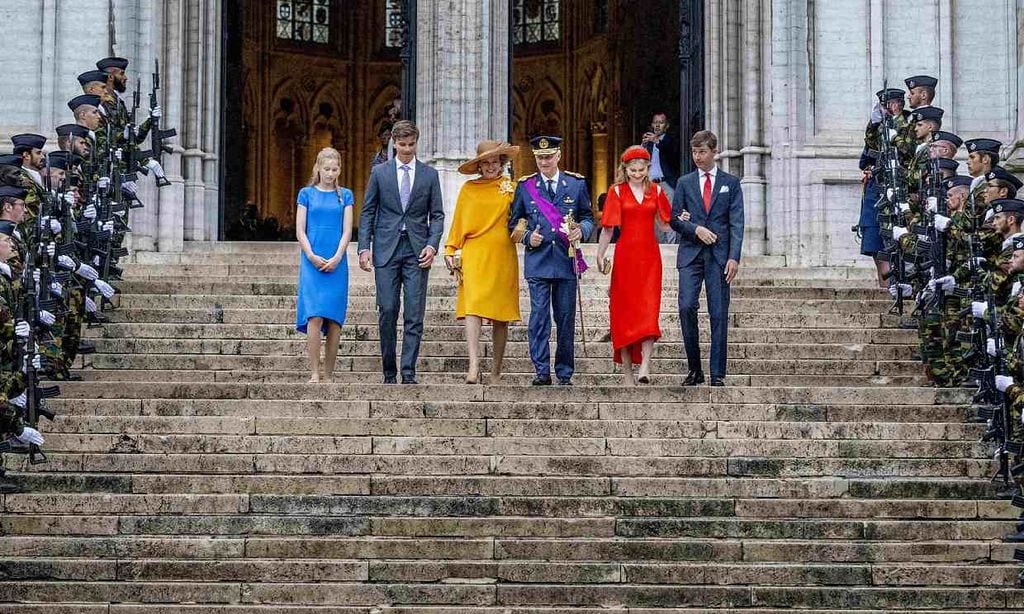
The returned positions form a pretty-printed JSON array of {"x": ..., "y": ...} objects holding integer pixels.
[{"x": 406, "y": 188}]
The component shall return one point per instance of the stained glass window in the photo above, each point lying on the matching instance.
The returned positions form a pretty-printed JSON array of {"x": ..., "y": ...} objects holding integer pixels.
[
  {"x": 307, "y": 21},
  {"x": 536, "y": 22},
  {"x": 394, "y": 23}
]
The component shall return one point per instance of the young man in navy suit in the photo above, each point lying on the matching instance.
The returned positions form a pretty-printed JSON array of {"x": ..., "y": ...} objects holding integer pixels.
[
  {"x": 707, "y": 212},
  {"x": 399, "y": 233},
  {"x": 544, "y": 199}
]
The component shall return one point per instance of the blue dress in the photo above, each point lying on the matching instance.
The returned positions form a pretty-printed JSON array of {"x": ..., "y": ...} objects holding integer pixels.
[{"x": 323, "y": 295}]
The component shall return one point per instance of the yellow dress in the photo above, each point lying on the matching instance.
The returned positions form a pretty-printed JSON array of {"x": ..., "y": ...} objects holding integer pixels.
[{"x": 490, "y": 266}]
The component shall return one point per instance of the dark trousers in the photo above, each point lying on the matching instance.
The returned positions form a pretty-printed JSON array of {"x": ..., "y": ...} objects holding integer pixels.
[
  {"x": 704, "y": 270},
  {"x": 402, "y": 272},
  {"x": 552, "y": 297}
]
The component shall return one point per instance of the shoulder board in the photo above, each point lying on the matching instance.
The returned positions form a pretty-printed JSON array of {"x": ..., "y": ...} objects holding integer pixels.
[
  {"x": 525, "y": 177},
  {"x": 572, "y": 174}
]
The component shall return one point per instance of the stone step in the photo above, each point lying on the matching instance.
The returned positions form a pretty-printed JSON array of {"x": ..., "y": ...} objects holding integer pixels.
[
  {"x": 803, "y": 340},
  {"x": 595, "y": 319},
  {"x": 93, "y": 415},
  {"x": 515, "y": 394},
  {"x": 135, "y": 608},
  {"x": 596, "y": 304}
]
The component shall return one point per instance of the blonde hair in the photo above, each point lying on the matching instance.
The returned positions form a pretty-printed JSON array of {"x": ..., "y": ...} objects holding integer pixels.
[
  {"x": 327, "y": 153},
  {"x": 623, "y": 178}
]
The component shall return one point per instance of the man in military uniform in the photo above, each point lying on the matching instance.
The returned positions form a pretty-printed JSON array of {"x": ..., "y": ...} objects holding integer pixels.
[
  {"x": 920, "y": 90},
  {"x": 555, "y": 205}
]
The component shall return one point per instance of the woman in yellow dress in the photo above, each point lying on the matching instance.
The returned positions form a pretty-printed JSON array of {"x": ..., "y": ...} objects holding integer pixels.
[{"x": 489, "y": 277}]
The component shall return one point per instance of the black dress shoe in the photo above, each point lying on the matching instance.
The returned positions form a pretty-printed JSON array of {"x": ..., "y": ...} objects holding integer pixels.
[
  {"x": 693, "y": 378},
  {"x": 390, "y": 379},
  {"x": 86, "y": 348},
  {"x": 717, "y": 381},
  {"x": 541, "y": 380},
  {"x": 1016, "y": 538},
  {"x": 409, "y": 380},
  {"x": 564, "y": 381}
]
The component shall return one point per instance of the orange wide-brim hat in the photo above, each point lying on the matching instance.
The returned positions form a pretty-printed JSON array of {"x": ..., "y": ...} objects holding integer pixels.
[{"x": 485, "y": 150}]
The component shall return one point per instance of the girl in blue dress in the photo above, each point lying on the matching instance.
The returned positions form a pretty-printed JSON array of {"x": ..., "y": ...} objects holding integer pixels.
[{"x": 323, "y": 226}]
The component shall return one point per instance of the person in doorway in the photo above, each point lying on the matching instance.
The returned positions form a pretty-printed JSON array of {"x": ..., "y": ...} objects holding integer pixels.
[
  {"x": 664, "y": 151},
  {"x": 323, "y": 226}
]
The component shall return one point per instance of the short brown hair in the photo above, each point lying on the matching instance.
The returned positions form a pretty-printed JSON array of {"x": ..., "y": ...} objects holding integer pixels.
[
  {"x": 403, "y": 129},
  {"x": 705, "y": 138}
]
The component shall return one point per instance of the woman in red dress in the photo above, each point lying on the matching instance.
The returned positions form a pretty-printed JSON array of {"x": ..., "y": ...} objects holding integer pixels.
[{"x": 632, "y": 204}]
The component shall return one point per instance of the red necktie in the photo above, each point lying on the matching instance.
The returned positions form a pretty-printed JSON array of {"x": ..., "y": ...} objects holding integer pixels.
[{"x": 707, "y": 192}]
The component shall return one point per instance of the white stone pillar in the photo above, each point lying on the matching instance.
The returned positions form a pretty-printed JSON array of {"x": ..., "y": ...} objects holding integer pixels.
[
  {"x": 461, "y": 84},
  {"x": 753, "y": 149},
  {"x": 171, "y": 214}
]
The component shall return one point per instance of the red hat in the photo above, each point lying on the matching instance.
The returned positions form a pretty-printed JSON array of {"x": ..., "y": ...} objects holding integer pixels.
[{"x": 635, "y": 152}]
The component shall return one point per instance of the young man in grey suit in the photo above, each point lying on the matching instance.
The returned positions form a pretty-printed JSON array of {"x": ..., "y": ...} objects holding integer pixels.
[
  {"x": 400, "y": 230},
  {"x": 707, "y": 212}
]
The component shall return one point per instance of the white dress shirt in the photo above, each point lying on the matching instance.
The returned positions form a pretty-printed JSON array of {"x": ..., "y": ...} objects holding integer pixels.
[
  {"x": 714, "y": 181},
  {"x": 554, "y": 179},
  {"x": 656, "y": 172}
]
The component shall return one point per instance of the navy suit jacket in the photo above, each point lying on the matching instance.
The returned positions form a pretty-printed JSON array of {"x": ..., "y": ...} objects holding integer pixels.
[
  {"x": 725, "y": 218},
  {"x": 550, "y": 259},
  {"x": 381, "y": 219}
]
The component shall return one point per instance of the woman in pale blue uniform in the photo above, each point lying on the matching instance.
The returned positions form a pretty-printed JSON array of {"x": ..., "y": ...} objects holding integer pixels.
[{"x": 323, "y": 227}]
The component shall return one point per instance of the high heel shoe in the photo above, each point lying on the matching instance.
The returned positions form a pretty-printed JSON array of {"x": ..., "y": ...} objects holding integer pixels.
[{"x": 473, "y": 380}]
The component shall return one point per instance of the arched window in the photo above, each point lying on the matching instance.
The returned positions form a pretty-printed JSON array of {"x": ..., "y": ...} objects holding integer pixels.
[
  {"x": 305, "y": 21},
  {"x": 536, "y": 22}
]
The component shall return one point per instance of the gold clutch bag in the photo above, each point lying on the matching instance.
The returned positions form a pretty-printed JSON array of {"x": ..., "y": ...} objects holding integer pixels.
[
  {"x": 456, "y": 269},
  {"x": 604, "y": 266},
  {"x": 520, "y": 231}
]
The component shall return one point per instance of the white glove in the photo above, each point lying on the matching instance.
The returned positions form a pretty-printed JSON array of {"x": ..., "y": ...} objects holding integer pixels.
[
  {"x": 1003, "y": 382},
  {"x": 51, "y": 249},
  {"x": 18, "y": 401},
  {"x": 155, "y": 168},
  {"x": 55, "y": 226},
  {"x": 30, "y": 436},
  {"x": 87, "y": 272},
  {"x": 904, "y": 207},
  {"x": 941, "y": 222},
  {"x": 988, "y": 214},
  {"x": 105, "y": 289},
  {"x": 89, "y": 212},
  {"x": 90, "y": 305},
  {"x": 897, "y": 232},
  {"x": 35, "y": 276},
  {"x": 5, "y": 269},
  {"x": 56, "y": 288},
  {"x": 103, "y": 183},
  {"x": 46, "y": 317},
  {"x": 947, "y": 282},
  {"x": 876, "y": 113},
  {"x": 990, "y": 347},
  {"x": 156, "y": 112},
  {"x": 980, "y": 261},
  {"x": 95, "y": 260},
  {"x": 37, "y": 363},
  {"x": 119, "y": 154},
  {"x": 69, "y": 198},
  {"x": 893, "y": 133},
  {"x": 933, "y": 204},
  {"x": 107, "y": 227},
  {"x": 978, "y": 308},
  {"x": 22, "y": 330},
  {"x": 904, "y": 290},
  {"x": 65, "y": 262},
  {"x": 129, "y": 185},
  {"x": 1015, "y": 290}
]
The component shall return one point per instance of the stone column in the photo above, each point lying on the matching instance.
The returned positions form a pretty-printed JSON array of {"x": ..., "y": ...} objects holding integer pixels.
[
  {"x": 753, "y": 149},
  {"x": 462, "y": 84}
]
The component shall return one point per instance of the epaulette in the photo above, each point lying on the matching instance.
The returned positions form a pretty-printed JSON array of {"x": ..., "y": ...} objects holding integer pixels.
[
  {"x": 572, "y": 174},
  {"x": 525, "y": 177}
]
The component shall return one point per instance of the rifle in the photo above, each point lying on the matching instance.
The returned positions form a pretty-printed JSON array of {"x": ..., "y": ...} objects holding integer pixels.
[{"x": 157, "y": 147}]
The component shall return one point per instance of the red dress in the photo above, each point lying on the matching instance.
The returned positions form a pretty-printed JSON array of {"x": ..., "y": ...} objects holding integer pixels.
[{"x": 636, "y": 277}]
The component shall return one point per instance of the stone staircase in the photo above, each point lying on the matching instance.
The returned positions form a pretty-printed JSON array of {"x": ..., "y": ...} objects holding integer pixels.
[{"x": 193, "y": 471}]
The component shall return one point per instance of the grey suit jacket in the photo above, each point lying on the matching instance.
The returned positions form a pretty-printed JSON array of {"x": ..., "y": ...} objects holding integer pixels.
[{"x": 382, "y": 217}]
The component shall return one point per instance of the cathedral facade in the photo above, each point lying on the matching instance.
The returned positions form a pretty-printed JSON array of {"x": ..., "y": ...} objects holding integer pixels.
[{"x": 256, "y": 87}]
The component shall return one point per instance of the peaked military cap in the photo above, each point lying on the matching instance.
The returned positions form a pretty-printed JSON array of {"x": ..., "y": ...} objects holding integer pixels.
[
  {"x": 929, "y": 113},
  {"x": 13, "y": 191},
  {"x": 892, "y": 93},
  {"x": 949, "y": 164},
  {"x": 72, "y": 130},
  {"x": 92, "y": 76},
  {"x": 999, "y": 172},
  {"x": 920, "y": 81},
  {"x": 112, "y": 62},
  {"x": 1008, "y": 205},
  {"x": 991, "y": 146},
  {"x": 27, "y": 141},
  {"x": 940, "y": 135},
  {"x": 545, "y": 145},
  {"x": 7, "y": 227},
  {"x": 959, "y": 180},
  {"x": 10, "y": 160},
  {"x": 90, "y": 99}
]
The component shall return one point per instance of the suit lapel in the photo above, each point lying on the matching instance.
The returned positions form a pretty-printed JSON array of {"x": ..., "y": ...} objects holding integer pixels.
[
  {"x": 420, "y": 181},
  {"x": 391, "y": 180}
]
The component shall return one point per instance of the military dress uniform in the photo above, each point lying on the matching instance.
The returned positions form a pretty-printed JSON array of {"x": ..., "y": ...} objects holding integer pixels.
[{"x": 551, "y": 273}]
